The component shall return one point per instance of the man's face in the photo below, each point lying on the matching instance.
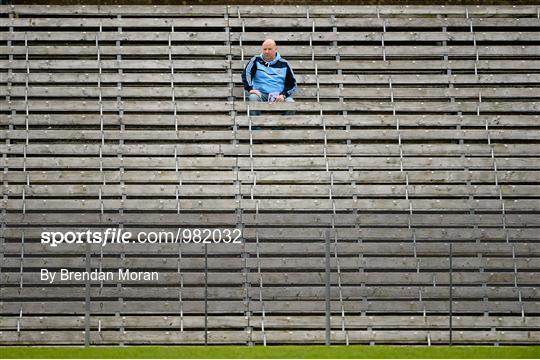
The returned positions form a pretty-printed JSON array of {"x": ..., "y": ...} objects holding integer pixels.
[{"x": 269, "y": 51}]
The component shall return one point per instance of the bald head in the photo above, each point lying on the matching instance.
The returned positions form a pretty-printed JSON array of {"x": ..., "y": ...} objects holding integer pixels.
[
  {"x": 269, "y": 42},
  {"x": 269, "y": 50}
]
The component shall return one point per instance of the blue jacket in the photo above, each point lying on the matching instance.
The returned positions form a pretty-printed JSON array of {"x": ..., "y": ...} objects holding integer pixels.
[{"x": 267, "y": 77}]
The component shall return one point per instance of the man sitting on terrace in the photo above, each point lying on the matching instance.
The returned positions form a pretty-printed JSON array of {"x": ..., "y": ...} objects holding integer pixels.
[{"x": 269, "y": 77}]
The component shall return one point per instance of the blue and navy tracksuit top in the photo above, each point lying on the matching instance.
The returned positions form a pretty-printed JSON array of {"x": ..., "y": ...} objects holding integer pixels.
[{"x": 268, "y": 77}]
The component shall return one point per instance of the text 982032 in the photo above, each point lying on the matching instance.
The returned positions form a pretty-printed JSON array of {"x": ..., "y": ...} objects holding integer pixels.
[{"x": 123, "y": 236}]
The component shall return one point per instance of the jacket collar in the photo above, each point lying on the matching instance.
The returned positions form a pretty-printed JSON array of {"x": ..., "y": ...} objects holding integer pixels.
[{"x": 276, "y": 59}]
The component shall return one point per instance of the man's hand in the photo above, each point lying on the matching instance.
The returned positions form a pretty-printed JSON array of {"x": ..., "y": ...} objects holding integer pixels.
[
  {"x": 256, "y": 92},
  {"x": 280, "y": 98}
]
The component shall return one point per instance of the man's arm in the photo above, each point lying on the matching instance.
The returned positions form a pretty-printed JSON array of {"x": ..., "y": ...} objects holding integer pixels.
[
  {"x": 290, "y": 82},
  {"x": 248, "y": 74}
]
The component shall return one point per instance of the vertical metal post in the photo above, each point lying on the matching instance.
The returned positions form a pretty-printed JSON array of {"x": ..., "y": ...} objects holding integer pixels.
[
  {"x": 340, "y": 290},
  {"x": 263, "y": 318},
  {"x": 177, "y": 192},
  {"x": 450, "y": 295},
  {"x": 21, "y": 267},
  {"x": 87, "y": 299},
  {"x": 407, "y": 188},
  {"x": 503, "y": 210},
  {"x": 205, "y": 294},
  {"x": 100, "y": 102},
  {"x": 26, "y": 88},
  {"x": 26, "y": 121},
  {"x": 242, "y": 45},
  {"x": 181, "y": 301},
  {"x": 120, "y": 108},
  {"x": 21, "y": 282},
  {"x": 246, "y": 270},
  {"x": 236, "y": 170},
  {"x": 327, "y": 288},
  {"x": 318, "y": 84},
  {"x": 336, "y": 257},
  {"x": 474, "y": 44},
  {"x": 311, "y": 40},
  {"x": 382, "y": 40},
  {"x": 11, "y": 116},
  {"x": 325, "y": 148},
  {"x": 173, "y": 98}
]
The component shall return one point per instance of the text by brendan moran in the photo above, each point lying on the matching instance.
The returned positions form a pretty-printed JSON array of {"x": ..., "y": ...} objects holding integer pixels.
[{"x": 122, "y": 275}]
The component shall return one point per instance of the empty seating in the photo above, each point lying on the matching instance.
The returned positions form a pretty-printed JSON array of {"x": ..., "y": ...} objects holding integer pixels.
[{"x": 400, "y": 205}]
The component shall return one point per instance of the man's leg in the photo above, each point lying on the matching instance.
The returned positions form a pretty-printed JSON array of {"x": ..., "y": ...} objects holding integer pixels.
[
  {"x": 289, "y": 112},
  {"x": 255, "y": 98}
]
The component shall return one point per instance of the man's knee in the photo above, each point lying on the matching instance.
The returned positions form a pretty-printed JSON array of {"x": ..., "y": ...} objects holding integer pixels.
[{"x": 254, "y": 97}]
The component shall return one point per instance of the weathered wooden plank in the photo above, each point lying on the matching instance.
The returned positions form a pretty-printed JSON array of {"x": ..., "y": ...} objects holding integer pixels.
[
  {"x": 91, "y": 77},
  {"x": 36, "y": 337},
  {"x": 384, "y": 10},
  {"x": 270, "y": 293},
  {"x": 258, "y": 22},
  {"x": 300, "y": 337},
  {"x": 388, "y": 321},
  {"x": 397, "y": 336},
  {"x": 141, "y": 321},
  {"x": 313, "y": 150},
  {"x": 186, "y": 149},
  {"x": 104, "y": 307},
  {"x": 318, "y": 134},
  {"x": 303, "y": 93},
  {"x": 96, "y": 162},
  {"x": 92, "y": 64},
  {"x": 275, "y": 177},
  {"x": 217, "y": 50},
  {"x": 342, "y": 248},
  {"x": 342, "y": 22},
  {"x": 255, "y": 11},
  {"x": 292, "y": 234},
  {"x": 284, "y": 264},
  {"x": 299, "y": 65},
  {"x": 191, "y": 36},
  {"x": 145, "y": 92},
  {"x": 284, "y": 37},
  {"x": 270, "y": 190},
  {"x": 179, "y": 78},
  {"x": 407, "y": 93},
  {"x": 113, "y": 176},
  {"x": 94, "y": 91},
  {"x": 270, "y": 321},
  {"x": 264, "y": 219},
  {"x": 364, "y": 120},
  {"x": 124, "y": 22},
  {"x": 274, "y": 163},
  {"x": 430, "y": 106},
  {"x": 135, "y": 337},
  {"x": 395, "y": 64},
  {"x": 127, "y": 119},
  {"x": 146, "y": 106},
  {"x": 76, "y": 10},
  {"x": 375, "y": 36},
  {"x": 298, "y": 306},
  {"x": 292, "y": 134},
  {"x": 271, "y": 205}
]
